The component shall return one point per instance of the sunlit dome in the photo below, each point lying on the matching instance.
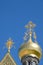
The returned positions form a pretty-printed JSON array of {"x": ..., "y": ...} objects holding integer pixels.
[{"x": 29, "y": 47}]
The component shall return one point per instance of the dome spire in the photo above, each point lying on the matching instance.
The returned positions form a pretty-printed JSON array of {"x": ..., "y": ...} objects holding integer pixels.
[{"x": 29, "y": 32}]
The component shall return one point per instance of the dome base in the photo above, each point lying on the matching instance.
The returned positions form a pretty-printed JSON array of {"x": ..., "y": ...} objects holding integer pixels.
[{"x": 29, "y": 60}]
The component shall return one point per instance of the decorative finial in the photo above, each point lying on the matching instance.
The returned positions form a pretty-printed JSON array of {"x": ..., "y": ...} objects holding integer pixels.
[
  {"x": 9, "y": 44},
  {"x": 29, "y": 32},
  {"x": 30, "y": 25}
]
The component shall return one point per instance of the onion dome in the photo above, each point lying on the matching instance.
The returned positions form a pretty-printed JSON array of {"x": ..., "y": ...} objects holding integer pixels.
[{"x": 30, "y": 46}]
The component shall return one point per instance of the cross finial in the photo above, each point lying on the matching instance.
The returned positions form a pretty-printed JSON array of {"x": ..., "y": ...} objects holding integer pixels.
[
  {"x": 29, "y": 32},
  {"x": 30, "y": 25},
  {"x": 9, "y": 44}
]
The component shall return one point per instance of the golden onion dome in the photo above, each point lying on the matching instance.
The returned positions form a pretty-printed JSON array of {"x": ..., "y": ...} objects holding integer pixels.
[{"x": 30, "y": 48}]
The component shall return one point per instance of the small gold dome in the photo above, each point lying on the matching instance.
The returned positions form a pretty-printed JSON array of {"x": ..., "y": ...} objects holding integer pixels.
[{"x": 30, "y": 48}]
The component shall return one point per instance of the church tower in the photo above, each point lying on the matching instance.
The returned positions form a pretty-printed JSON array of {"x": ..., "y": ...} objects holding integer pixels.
[{"x": 30, "y": 52}]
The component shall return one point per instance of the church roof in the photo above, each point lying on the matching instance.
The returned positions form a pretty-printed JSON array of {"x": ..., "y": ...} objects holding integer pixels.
[{"x": 7, "y": 60}]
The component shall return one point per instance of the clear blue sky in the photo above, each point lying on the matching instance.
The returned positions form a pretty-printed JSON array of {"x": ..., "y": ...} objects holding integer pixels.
[{"x": 14, "y": 15}]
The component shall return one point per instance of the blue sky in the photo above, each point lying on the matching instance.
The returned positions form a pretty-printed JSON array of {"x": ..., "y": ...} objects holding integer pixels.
[{"x": 14, "y": 15}]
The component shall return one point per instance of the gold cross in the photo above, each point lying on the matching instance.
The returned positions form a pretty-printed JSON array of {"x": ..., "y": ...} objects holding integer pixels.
[{"x": 9, "y": 44}]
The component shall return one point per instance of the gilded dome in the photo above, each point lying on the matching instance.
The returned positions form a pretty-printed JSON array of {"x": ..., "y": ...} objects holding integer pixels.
[{"x": 30, "y": 48}]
